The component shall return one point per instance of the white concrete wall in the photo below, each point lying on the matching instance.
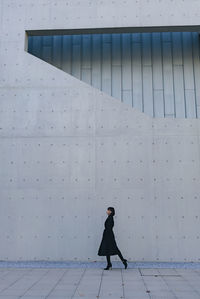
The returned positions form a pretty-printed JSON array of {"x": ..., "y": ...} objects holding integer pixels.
[{"x": 68, "y": 151}]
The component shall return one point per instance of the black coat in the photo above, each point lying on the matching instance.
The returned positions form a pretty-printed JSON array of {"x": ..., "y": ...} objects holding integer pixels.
[{"x": 108, "y": 244}]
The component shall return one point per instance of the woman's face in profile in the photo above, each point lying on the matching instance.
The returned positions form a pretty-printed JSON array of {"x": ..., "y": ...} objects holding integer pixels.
[{"x": 108, "y": 212}]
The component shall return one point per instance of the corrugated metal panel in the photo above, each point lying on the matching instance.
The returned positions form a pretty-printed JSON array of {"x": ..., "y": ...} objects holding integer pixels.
[
  {"x": 157, "y": 73},
  {"x": 196, "y": 64},
  {"x": 137, "y": 72},
  {"x": 168, "y": 78},
  {"x": 96, "y": 61},
  {"x": 106, "y": 63}
]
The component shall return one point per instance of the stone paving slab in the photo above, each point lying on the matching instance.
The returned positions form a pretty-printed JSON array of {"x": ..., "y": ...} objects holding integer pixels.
[{"x": 41, "y": 280}]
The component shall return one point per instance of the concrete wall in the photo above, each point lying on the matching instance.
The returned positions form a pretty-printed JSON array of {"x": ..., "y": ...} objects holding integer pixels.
[
  {"x": 157, "y": 73},
  {"x": 68, "y": 150}
]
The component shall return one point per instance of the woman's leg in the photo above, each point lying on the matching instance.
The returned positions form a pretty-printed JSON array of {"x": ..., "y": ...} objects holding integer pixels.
[
  {"x": 124, "y": 261},
  {"x": 108, "y": 259},
  {"x": 120, "y": 255}
]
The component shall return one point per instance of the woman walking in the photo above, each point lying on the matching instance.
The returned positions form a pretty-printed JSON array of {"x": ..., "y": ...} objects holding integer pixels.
[{"x": 108, "y": 244}]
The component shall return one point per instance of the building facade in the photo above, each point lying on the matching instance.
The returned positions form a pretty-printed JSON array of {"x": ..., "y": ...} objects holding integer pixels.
[{"x": 99, "y": 106}]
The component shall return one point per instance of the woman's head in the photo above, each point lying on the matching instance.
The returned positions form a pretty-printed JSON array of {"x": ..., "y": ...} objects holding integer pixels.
[{"x": 110, "y": 210}]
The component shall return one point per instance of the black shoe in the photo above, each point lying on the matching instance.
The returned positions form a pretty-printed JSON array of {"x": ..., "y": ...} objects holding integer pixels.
[
  {"x": 108, "y": 267},
  {"x": 125, "y": 263}
]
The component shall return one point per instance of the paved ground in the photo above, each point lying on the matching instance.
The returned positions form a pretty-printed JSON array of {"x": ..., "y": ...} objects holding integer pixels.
[{"x": 89, "y": 280}]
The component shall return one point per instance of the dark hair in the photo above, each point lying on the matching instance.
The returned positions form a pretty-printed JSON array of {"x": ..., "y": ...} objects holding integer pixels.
[{"x": 112, "y": 210}]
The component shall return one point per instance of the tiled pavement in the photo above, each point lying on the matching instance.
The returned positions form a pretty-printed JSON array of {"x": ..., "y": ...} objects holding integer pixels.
[{"x": 89, "y": 280}]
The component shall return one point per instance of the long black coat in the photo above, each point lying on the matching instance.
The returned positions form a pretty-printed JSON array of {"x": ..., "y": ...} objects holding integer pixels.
[{"x": 108, "y": 244}]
